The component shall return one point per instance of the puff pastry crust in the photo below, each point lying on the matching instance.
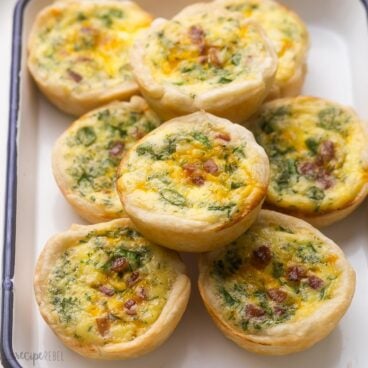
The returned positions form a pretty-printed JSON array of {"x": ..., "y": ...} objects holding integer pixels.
[
  {"x": 289, "y": 36},
  {"x": 107, "y": 292},
  {"x": 318, "y": 152},
  {"x": 195, "y": 183},
  {"x": 78, "y": 52},
  {"x": 86, "y": 156},
  {"x": 278, "y": 289},
  {"x": 205, "y": 58}
]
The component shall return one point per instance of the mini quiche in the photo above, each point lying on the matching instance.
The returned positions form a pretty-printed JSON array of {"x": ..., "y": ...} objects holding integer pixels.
[
  {"x": 107, "y": 292},
  {"x": 288, "y": 35},
  {"x": 278, "y": 289},
  {"x": 79, "y": 52},
  {"x": 195, "y": 183},
  {"x": 87, "y": 154},
  {"x": 318, "y": 153},
  {"x": 204, "y": 59}
]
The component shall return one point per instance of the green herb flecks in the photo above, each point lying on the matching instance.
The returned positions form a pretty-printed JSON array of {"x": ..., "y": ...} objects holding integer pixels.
[{"x": 173, "y": 197}]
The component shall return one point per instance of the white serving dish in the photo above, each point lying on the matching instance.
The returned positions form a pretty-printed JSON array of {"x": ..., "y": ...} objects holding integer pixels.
[{"x": 338, "y": 69}]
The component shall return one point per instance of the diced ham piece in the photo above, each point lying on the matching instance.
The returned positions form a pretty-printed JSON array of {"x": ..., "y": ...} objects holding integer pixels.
[
  {"x": 315, "y": 282},
  {"x": 75, "y": 76},
  {"x": 326, "y": 152},
  {"x": 296, "y": 273},
  {"x": 119, "y": 264},
  {"x": 130, "y": 307},
  {"x": 210, "y": 166},
  {"x": 253, "y": 311},
  {"x": 103, "y": 325},
  {"x": 277, "y": 295},
  {"x": 197, "y": 179},
  {"x": 107, "y": 290},
  {"x": 133, "y": 278},
  {"x": 223, "y": 136},
  {"x": 141, "y": 292},
  {"x": 116, "y": 149},
  {"x": 261, "y": 256}
]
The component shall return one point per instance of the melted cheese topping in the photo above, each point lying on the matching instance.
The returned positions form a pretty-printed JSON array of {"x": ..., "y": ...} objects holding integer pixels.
[
  {"x": 93, "y": 147},
  {"x": 317, "y": 151},
  {"x": 85, "y": 45},
  {"x": 284, "y": 28},
  {"x": 198, "y": 171},
  {"x": 110, "y": 286},
  {"x": 210, "y": 49},
  {"x": 273, "y": 275}
]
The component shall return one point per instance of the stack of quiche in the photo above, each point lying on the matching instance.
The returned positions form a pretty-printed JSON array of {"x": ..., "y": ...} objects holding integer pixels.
[{"x": 191, "y": 136}]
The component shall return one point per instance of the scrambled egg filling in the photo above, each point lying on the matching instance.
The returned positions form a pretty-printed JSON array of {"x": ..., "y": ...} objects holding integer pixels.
[
  {"x": 286, "y": 31},
  {"x": 93, "y": 149},
  {"x": 272, "y": 275},
  {"x": 110, "y": 287},
  {"x": 316, "y": 154},
  {"x": 200, "y": 52},
  {"x": 87, "y": 45},
  {"x": 201, "y": 173}
]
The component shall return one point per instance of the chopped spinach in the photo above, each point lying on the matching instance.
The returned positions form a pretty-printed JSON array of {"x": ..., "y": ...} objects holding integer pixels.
[
  {"x": 315, "y": 193},
  {"x": 312, "y": 144},
  {"x": 86, "y": 136},
  {"x": 173, "y": 197}
]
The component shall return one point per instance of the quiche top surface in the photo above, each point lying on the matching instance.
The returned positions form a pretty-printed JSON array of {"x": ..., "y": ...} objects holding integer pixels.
[
  {"x": 285, "y": 29},
  {"x": 275, "y": 275},
  {"x": 108, "y": 285},
  {"x": 317, "y": 151},
  {"x": 198, "y": 51},
  {"x": 198, "y": 167},
  {"x": 84, "y": 46},
  {"x": 87, "y": 155}
]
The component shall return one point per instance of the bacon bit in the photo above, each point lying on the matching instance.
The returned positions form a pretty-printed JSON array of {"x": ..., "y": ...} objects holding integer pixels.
[
  {"x": 130, "y": 307},
  {"x": 214, "y": 57},
  {"x": 103, "y": 325},
  {"x": 279, "y": 311},
  {"x": 315, "y": 282},
  {"x": 261, "y": 257},
  {"x": 197, "y": 179},
  {"x": 106, "y": 290},
  {"x": 210, "y": 166},
  {"x": 277, "y": 295},
  {"x": 133, "y": 278},
  {"x": 196, "y": 35},
  {"x": 224, "y": 136},
  {"x": 141, "y": 292},
  {"x": 326, "y": 181},
  {"x": 326, "y": 152},
  {"x": 295, "y": 273},
  {"x": 116, "y": 149},
  {"x": 119, "y": 264},
  {"x": 253, "y": 311},
  {"x": 191, "y": 168},
  {"x": 308, "y": 168},
  {"x": 75, "y": 76}
]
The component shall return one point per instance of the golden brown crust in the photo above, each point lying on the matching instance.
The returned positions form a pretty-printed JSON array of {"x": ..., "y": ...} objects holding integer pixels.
[
  {"x": 288, "y": 337},
  {"x": 63, "y": 98},
  {"x": 148, "y": 341},
  {"x": 236, "y": 102},
  {"x": 184, "y": 234}
]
